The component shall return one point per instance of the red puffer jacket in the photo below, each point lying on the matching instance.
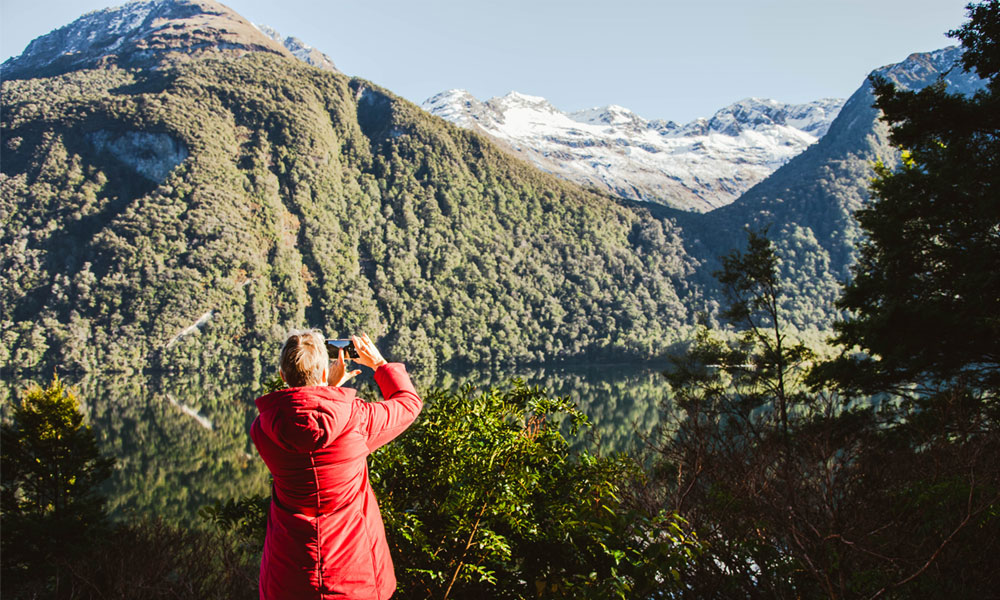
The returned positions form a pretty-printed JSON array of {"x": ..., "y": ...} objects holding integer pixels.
[{"x": 325, "y": 537}]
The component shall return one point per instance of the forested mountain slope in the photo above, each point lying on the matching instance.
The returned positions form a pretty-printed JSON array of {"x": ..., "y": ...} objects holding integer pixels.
[
  {"x": 808, "y": 204},
  {"x": 191, "y": 214}
]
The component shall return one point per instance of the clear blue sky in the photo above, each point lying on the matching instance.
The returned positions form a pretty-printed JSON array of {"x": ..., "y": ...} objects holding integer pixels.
[{"x": 668, "y": 59}]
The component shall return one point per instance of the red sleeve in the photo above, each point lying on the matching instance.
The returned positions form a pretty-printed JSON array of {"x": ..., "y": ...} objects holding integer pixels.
[{"x": 389, "y": 418}]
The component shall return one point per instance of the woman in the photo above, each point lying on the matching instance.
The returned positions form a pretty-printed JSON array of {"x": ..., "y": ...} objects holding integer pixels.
[{"x": 325, "y": 537}]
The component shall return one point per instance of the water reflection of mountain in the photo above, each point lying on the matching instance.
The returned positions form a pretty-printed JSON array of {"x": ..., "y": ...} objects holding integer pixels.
[
  {"x": 181, "y": 439},
  {"x": 621, "y": 401}
]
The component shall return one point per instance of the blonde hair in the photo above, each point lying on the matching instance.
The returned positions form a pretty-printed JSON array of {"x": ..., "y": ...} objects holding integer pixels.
[{"x": 304, "y": 357}]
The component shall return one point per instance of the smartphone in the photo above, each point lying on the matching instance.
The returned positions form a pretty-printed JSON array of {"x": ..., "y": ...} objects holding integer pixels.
[{"x": 347, "y": 345}]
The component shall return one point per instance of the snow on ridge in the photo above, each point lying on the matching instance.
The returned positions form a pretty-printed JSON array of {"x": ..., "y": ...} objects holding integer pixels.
[
  {"x": 115, "y": 22},
  {"x": 461, "y": 108},
  {"x": 611, "y": 114},
  {"x": 298, "y": 48},
  {"x": 447, "y": 97},
  {"x": 920, "y": 67},
  {"x": 518, "y": 97},
  {"x": 516, "y": 101},
  {"x": 130, "y": 16}
]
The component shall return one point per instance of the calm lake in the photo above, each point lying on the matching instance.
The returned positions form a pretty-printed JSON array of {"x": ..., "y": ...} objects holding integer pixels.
[{"x": 181, "y": 440}]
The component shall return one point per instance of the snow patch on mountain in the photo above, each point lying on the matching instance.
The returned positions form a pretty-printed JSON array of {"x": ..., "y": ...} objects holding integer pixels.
[
  {"x": 698, "y": 166},
  {"x": 920, "y": 68}
]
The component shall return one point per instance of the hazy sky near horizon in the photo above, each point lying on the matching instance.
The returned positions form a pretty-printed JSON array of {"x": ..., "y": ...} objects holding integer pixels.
[{"x": 663, "y": 59}]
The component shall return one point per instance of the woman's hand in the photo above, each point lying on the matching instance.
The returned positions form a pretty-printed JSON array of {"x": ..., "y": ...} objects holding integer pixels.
[
  {"x": 338, "y": 375},
  {"x": 368, "y": 354}
]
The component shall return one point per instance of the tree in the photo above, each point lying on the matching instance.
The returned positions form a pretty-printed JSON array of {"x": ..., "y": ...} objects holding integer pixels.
[
  {"x": 799, "y": 493},
  {"x": 51, "y": 467},
  {"x": 925, "y": 298},
  {"x": 923, "y": 324},
  {"x": 750, "y": 287},
  {"x": 730, "y": 456}
]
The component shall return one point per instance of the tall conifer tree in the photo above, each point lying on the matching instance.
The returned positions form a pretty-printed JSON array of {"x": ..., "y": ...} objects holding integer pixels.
[{"x": 925, "y": 299}]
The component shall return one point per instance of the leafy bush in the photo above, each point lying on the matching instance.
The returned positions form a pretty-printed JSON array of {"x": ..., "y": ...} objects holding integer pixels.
[{"x": 481, "y": 498}]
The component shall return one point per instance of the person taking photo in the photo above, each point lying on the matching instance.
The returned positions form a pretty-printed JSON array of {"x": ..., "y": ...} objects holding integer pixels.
[{"x": 325, "y": 537}]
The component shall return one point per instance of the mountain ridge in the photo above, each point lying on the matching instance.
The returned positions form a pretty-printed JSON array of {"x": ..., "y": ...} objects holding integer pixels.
[{"x": 698, "y": 166}]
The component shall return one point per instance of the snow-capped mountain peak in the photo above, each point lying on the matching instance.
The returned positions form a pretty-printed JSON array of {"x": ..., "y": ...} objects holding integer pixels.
[
  {"x": 513, "y": 98},
  {"x": 461, "y": 108},
  {"x": 611, "y": 114},
  {"x": 452, "y": 99},
  {"x": 918, "y": 67},
  {"x": 750, "y": 113},
  {"x": 144, "y": 33},
  {"x": 516, "y": 101},
  {"x": 698, "y": 166}
]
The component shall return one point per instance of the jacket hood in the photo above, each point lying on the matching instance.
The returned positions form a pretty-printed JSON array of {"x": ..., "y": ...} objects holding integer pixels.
[{"x": 304, "y": 418}]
